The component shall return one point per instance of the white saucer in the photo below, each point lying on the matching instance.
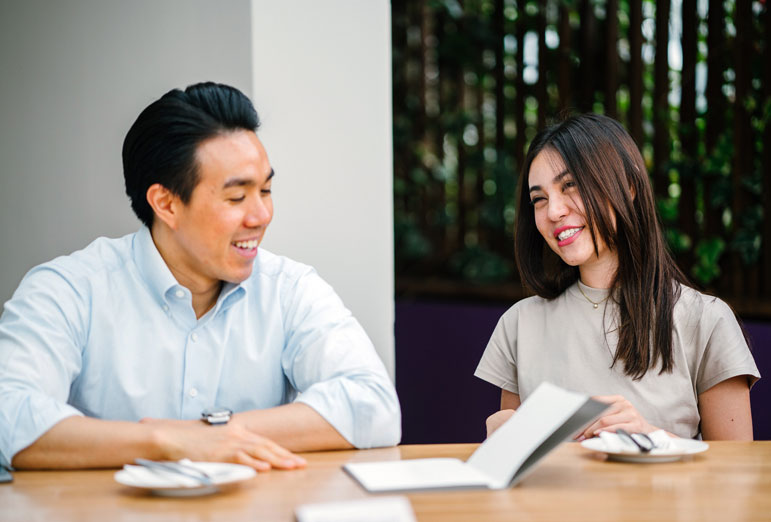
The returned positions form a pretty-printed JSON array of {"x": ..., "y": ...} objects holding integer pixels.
[
  {"x": 172, "y": 485},
  {"x": 679, "y": 449}
]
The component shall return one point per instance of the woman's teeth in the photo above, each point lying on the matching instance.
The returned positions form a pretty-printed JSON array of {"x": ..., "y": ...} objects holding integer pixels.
[{"x": 570, "y": 232}]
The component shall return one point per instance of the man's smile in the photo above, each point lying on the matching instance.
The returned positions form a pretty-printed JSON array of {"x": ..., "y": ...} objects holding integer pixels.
[{"x": 248, "y": 244}]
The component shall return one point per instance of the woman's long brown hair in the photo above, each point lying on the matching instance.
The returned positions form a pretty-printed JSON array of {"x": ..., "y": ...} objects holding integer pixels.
[{"x": 612, "y": 181}]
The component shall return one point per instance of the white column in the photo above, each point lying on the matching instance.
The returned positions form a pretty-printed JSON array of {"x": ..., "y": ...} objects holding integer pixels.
[{"x": 322, "y": 87}]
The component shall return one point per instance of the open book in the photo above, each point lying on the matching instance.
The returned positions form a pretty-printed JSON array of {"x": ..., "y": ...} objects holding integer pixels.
[{"x": 548, "y": 416}]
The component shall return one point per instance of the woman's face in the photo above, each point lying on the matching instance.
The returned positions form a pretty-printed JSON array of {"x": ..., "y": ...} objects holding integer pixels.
[{"x": 560, "y": 217}]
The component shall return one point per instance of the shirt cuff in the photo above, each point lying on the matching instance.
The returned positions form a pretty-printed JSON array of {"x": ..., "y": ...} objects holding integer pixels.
[
  {"x": 366, "y": 415},
  {"x": 25, "y": 419},
  {"x": 500, "y": 382}
]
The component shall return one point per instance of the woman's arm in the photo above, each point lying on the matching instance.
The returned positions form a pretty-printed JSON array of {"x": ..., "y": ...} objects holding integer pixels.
[
  {"x": 509, "y": 403},
  {"x": 725, "y": 410}
]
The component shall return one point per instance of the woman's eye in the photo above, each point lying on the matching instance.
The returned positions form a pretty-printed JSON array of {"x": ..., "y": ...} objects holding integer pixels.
[
  {"x": 266, "y": 191},
  {"x": 238, "y": 199},
  {"x": 537, "y": 200},
  {"x": 570, "y": 184}
]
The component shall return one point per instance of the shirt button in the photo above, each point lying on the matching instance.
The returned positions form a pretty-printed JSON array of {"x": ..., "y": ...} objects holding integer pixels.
[
  {"x": 193, "y": 392},
  {"x": 179, "y": 293},
  {"x": 165, "y": 308},
  {"x": 194, "y": 337}
]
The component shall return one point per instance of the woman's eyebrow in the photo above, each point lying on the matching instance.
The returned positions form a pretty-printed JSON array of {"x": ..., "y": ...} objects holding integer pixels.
[{"x": 556, "y": 179}]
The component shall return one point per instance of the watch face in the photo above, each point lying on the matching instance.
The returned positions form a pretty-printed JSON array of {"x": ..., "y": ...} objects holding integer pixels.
[{"x": 216, "y": 415}]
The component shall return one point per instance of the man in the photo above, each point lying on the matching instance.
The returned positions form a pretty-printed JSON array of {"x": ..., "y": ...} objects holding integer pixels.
[{"x": 114, "y": 352}]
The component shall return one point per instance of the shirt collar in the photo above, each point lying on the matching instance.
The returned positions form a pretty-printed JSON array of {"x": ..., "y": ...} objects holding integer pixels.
[
  {"x": 152, "y": 267},
  {"x": 156, "y": 274},
  {"x": 230, "y": 294}
]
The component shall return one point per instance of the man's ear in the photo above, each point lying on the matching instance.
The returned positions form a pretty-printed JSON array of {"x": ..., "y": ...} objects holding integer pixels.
[{"x": 164, "y": 203}]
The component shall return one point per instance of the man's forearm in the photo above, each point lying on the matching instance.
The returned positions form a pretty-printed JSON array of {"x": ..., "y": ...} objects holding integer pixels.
[
  {"x": 83, "y": 442},
  {"x": 80, "y": 442},
  {"x": 296, "y": 426}
]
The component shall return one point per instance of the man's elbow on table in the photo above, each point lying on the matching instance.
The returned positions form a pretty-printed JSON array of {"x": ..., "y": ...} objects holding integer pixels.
[
  {"x": 386, "y": 427},
  {"x": 366, "y": 413}
]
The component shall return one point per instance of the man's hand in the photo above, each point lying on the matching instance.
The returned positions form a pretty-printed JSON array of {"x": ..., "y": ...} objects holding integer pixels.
[
  {"x": 621, "y": 414},
  {"x": 83, "y": 442},
  {"x": 497, "y": 419},
  {"x": 231, "y": 442}
]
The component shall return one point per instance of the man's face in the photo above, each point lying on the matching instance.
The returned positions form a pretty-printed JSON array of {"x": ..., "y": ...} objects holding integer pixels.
[{"x": 217, "y": 232}]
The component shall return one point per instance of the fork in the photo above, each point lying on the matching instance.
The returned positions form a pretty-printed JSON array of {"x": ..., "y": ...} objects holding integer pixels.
[
  {"x": 178, "y": 468},
  {"x": 645, "y": 447}
]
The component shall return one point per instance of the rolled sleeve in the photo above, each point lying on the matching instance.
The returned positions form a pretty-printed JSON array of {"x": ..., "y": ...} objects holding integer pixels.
[
  {"x": 25, "y": 417},
  {"x": 726, "y": 353},
  {"x": 331, "y": 361},
  {"x": 38, "y": 359},
  {"x": 498, "y": 364}
]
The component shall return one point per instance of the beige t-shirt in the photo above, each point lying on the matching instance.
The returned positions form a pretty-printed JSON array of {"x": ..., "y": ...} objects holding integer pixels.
[{"x": 563, "y": 341}]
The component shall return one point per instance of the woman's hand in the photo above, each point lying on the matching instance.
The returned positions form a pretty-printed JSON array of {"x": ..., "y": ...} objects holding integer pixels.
[
  {"x": 231, "y": 442},
  {"x": 621, "y": 414},
  {"x": 497, "y": 419}
]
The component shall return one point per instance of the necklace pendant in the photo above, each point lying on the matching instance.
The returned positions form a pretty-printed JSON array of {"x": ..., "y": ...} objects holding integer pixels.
[{"x": 595, "y": 305}]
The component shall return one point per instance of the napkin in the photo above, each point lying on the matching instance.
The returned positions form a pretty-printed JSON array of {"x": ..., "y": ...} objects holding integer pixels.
[
  {"x": 159, "y": 478},
  {"x": 615, "y": 443}
]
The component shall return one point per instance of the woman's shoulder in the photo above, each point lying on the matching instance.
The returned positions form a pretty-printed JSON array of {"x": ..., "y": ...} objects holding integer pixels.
[
  {"x": 534, "y": 302},
  {"x": 705, "y": 309},
  {"x": 529, "y": 308}
]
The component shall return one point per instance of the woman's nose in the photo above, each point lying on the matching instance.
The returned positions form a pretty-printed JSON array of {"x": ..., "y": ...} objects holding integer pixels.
[{"x": 558, "y": 207}]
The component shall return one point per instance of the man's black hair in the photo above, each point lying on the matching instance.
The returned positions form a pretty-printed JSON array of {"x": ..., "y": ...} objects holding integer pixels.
[{"x": 160, "y": 146}]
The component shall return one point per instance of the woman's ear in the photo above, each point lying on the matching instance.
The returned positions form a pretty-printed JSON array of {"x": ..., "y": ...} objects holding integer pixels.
[
  {"x": 632, "y": 191},
  {"x": 164, "y": 203}
]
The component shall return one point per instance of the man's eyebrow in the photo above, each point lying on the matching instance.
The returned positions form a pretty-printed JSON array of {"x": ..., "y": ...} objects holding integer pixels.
[
  {"x": 243, "y": 182},
  {"x": 238, "y": 182},
  {"x": 556, "y": 179}
]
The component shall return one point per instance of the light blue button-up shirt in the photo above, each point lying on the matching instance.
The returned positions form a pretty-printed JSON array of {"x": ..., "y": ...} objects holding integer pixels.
[{"x": 109, "y": 333}]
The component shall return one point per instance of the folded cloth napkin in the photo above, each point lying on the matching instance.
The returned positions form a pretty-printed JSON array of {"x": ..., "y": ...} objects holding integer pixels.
[
  {"x": 615, "y": 443},
  {"x": 159, "y": 478}
]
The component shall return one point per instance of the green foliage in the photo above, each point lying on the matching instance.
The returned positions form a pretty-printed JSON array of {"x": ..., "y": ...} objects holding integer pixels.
[
  {"x": 413, "y": 243},
  {"x": 458, "y": 139},
  {"x": 708, "y": 252},
  {"x": 480, "y": 265}
]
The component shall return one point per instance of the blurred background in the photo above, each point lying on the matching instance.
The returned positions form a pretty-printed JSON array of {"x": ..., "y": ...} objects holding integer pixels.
[
  {"x": 418, "y": 231},
  {"x": 473, "y": 80}
]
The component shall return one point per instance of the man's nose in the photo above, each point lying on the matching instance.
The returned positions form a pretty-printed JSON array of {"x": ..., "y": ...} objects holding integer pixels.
[{"x": 259, "y": 214}]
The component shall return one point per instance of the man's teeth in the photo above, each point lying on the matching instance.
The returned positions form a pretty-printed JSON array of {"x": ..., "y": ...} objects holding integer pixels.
[
  {"x": 246, "y": 244},
  {"x": 570, "y": 232}
]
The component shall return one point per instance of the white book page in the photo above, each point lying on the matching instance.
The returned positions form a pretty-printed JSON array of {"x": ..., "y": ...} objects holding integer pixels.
[
  {"x": 546, "y": 410},
  {"x": 403, "y": 475}
]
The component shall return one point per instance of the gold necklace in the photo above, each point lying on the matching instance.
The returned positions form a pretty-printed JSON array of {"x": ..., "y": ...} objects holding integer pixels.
[{"x": 596, "y": 304}]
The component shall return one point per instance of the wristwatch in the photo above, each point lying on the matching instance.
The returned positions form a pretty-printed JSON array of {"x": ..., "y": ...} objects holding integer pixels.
[{"x": 216, "y": 416}]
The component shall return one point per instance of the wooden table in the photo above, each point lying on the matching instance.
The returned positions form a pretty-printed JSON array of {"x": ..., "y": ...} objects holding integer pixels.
[{"x": 731, "y": 481}]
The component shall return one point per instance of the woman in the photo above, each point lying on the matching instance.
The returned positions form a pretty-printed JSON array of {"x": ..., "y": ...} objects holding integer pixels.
[{"x": 613, "y": 316}]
